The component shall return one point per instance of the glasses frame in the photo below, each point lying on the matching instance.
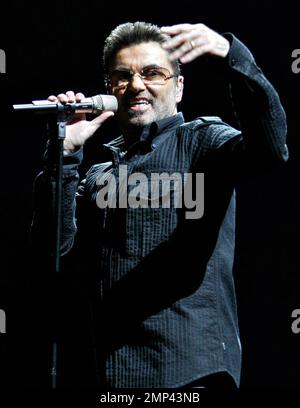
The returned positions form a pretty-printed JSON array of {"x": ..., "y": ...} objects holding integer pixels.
[{"x": 140, "y": 74}]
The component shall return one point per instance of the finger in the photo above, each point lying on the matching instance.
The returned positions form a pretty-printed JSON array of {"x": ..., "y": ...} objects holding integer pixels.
[
  {"x": 71, "y": 96},
  {"x": 175, "y": 29},
  {"x": 197, "y": 52},
  {"x": 178, "y": 40},
  {"x": 52, "y": 98},
  {"x": 182, "y": 50},
  {"x": 79, "y": 96},
  {"x": 192, "y": 43},
  {"x": 101, "y": 118},
  {"x": 62, "y": 98}
]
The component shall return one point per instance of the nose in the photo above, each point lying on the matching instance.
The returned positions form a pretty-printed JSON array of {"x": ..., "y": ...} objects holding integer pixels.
[{"x": 136, "y": 83}]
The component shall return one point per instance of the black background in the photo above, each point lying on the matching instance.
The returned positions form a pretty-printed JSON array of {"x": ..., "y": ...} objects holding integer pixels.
[{"x": 56, "y": 46}]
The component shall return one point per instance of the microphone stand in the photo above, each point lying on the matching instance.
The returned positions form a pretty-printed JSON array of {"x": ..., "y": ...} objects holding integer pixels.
[{"x": 62, "y": 118}]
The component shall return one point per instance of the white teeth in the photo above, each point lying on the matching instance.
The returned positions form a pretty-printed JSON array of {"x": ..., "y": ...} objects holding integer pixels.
[{"x": 139, "y": 103}]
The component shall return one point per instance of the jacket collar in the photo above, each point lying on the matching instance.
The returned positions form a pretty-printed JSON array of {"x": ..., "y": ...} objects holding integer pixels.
[{"x": 149, "y": 132}]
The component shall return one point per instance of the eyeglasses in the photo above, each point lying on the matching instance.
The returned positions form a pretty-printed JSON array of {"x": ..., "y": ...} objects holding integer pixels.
[{"x": 150, "y": 75}]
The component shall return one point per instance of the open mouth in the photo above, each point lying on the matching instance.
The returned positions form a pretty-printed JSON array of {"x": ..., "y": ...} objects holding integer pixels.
[{"x": 139, "y": 104}]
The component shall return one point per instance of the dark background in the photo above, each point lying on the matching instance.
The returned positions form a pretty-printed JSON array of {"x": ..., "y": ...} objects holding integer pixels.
[{"x": 52, "y": 47}]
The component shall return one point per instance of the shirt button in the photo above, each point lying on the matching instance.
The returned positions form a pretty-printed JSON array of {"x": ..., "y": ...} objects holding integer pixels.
[
  {"x": 233, "y": 61},
  {"x": 153, "y": 145}
]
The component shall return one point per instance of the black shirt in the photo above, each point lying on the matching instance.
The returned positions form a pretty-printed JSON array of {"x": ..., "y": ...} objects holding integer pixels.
[{"x": 162, "y": 285}]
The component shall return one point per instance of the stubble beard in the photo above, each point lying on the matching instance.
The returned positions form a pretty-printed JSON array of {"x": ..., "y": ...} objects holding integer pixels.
[{"x": 140, "y": 119}]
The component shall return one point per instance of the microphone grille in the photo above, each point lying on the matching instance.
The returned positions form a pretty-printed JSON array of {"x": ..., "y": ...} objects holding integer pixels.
[{"x": 104, "y": 103}]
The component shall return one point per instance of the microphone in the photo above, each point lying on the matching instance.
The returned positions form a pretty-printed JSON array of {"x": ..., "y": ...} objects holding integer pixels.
[{"x": 95, "y": 105}]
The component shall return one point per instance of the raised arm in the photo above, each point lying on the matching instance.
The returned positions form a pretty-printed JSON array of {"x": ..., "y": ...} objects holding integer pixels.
[{"x": 256, "y": 103}]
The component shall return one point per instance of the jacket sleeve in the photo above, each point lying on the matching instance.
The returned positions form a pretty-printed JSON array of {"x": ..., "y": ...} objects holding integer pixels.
[
  {"x": 259, "y": 112},
  {"x": 42, "y": 232}
]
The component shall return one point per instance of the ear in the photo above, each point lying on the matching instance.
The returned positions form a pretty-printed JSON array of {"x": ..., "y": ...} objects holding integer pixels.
[{"x": 179, "y": 88}]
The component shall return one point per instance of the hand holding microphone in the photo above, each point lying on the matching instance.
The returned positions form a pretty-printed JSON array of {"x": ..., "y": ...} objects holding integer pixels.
[{"x": 78, "y": 129}]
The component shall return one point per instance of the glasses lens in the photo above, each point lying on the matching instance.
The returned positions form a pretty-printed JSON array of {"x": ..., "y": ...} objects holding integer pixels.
[
  {"x": 150, "y": 75},
  {"x": 120, "y": 78},
  {"x": 155, "y": 75}
]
